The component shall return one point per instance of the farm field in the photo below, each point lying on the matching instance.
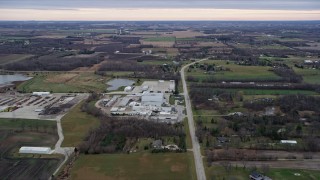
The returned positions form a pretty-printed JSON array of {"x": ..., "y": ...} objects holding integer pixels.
[
  {"x": 311, "y": 76},
  {"x": 64, "y": 83},
  {"x": 76, "y": 125},
  {"x": 4, "y": 59},
  {"x": 236, "y": 72},
  {"x": 272, "y": 91},
  {"x": 219, "y": 173},
  {"x": 15, "y": 133},
  {"x": 135, "y": 166}
]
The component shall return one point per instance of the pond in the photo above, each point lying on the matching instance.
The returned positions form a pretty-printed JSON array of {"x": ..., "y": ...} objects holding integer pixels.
[
  {"x": 114, "y": 84},
  {"x": 7, "y": 79}
]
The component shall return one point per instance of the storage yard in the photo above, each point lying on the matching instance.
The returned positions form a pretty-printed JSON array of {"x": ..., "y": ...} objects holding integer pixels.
[
  {"x": 38, "y": 105},
  {"x": 148, "y": 101}
]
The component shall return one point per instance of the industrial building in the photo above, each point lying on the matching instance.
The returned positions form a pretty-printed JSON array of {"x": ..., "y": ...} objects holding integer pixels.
[
  {"x": 41, "y": 93},
  {"x": 148, "y": 101},
  {"x": 35, "y": 150},
  {"x": 152, "y": 99}
]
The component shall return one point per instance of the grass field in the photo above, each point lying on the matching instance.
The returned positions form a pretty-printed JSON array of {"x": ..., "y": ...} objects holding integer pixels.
[
  {"x": 19, "y": 123},
  {"x": 219, "y": 173},
  {"x": 76, "y": 125},
  {"x": 272, "y": 91},
  {"x": 311, "y": 76},
  {"x": 236, "y": 73},
  {"x": 135, "y": 166},
  {"x": 160, "y": 39},
  {"x": 188, "y": 136},
  {"x": 13, "y": 58},
  {"x": 64, "y": 83}
]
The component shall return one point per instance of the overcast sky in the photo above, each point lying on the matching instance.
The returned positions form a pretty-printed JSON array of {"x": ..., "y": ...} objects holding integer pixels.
[{"x": 160, "y": 10}]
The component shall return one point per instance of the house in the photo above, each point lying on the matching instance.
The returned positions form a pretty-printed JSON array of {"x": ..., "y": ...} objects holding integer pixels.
[{"x": 157, "y": 144}]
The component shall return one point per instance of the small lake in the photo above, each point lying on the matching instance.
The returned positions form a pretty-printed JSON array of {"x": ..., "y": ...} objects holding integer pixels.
[
  {"x": 114, "y": 84},
  {"x": 7, "y": 79}
]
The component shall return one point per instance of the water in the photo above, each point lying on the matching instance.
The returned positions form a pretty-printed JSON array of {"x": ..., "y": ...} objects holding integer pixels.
[
  {"x": 7, "y": 79},
  {"x": 114, "y": 84}
]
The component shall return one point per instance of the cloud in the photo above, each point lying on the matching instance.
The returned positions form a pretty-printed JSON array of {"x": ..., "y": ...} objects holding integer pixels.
[
  {"x": 134, "y": 14},
  {"x": 217, "y": 4}
]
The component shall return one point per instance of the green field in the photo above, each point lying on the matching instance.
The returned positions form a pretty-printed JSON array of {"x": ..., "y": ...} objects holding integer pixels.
[
  {"x": 76, "y": 125},
  {"x": 135, "y": 166},
  {"x": 219, "y": 173},
  {"x": 236, "y": 72},
  {"x": 26, "y": 123},
  {"x": 311, "y": 76},
  {"x": 270, "y": 91},
  {"x": 64, "y": 83},
  {"x": 160, "y": 39}
]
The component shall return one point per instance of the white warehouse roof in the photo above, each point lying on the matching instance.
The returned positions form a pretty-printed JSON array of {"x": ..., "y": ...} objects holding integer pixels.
[
  {"x": 35, "y": 150},
  {"x": 288, "y": 142},
  {"x": 153, "y": 99},
  {"x": 40, "y": 93}
]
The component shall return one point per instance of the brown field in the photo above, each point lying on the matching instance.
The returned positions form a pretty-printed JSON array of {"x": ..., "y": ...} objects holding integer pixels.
[
  {"x": 5, "y": 58},
  {"x": 51, "y": 36},
  {"x": 158, "y": 43},
  {"x": 186, "y": 34},
  {"x": 61, "y": 78},
  {"x": 144, "y": 33}
]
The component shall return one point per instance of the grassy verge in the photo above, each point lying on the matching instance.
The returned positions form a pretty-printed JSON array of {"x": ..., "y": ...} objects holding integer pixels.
[
  {"x": 76, "y": 124},
  {"x": 188, "y": 137},
  {"x": 134, "y": 166}
]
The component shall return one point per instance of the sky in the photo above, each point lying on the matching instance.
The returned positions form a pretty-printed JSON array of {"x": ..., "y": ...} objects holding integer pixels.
[{"x": 131, "y": 10}]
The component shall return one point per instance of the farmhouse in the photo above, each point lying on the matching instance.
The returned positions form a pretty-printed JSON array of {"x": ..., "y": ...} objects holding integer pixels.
[{"x": 35, "y": 150}]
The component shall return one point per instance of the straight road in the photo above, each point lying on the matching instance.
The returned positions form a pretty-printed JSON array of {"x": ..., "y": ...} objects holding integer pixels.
[{"x": 195, "y": 143}]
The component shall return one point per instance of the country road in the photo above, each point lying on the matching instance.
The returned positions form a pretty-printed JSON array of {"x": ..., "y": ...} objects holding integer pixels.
[
  {"x": 66, "y": 151},
  {"x": 195, "y": 143}
]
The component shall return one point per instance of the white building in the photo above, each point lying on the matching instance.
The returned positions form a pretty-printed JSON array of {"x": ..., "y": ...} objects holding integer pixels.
[
  {"x": 128, "y": 88},
  {"x": 35, "y": 150},
  {"x": 41, "y": 93},
  {"x": 288, "y": 142},
  {"x": 152, "y": 99}
]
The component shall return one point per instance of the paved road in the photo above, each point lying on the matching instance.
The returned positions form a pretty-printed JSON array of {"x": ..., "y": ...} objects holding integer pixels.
[{"x": 195, "y": 143}]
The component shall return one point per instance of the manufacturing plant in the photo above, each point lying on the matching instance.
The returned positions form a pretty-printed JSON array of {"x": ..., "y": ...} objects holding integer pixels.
[{"x": 148, "y": 101}]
